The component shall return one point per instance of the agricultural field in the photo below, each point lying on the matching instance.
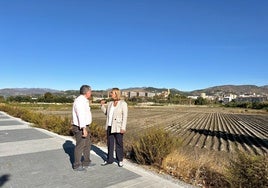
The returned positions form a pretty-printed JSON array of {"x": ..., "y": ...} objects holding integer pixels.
[
  {"x": 213, "y": 129},
  {"x": 216, "y": 129}
]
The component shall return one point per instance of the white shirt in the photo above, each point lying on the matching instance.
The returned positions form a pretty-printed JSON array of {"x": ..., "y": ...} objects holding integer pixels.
[
  {"x": 81, "y": 112},
  {"x": 110, "y": 115}
]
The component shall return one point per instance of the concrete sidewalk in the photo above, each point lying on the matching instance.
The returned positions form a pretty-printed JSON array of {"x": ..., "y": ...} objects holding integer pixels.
[{"x": 32, "y": 157}]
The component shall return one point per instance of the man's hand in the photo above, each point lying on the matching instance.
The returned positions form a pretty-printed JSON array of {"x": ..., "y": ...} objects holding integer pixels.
[
  {"x": 122, "y": 131},
  {"x": 85, "y": 133}
]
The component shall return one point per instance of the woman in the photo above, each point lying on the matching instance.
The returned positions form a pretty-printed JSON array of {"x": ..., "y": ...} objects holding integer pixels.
[{"x": 116, "y": 121}]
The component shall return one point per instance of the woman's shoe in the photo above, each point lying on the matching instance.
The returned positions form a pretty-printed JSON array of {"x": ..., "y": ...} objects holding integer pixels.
[
  {"x": 105, "y": 163},
  {"x": 120, "y": 164}
]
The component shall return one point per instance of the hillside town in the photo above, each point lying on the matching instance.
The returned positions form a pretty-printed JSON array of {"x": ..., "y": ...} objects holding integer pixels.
[
  {"x": 230, "y": 97},
  {"x": 220, "y": 96}
]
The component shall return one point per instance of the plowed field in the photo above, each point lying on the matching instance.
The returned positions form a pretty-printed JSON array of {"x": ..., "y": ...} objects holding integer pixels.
[{"x": 218, "y": 129}]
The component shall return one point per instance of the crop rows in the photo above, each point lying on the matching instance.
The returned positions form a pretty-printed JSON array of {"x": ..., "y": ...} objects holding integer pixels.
[
  {"x": 223, "y": 131},
  {"x": 217, "y": 129}
]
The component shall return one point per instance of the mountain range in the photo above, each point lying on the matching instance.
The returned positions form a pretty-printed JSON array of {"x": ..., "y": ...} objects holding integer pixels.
[
  {"x": 223, "y": 89},
  {"x": 26, "y": 91}
]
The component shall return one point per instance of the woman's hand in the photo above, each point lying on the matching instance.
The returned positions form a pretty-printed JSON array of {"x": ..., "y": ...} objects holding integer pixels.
[{"x": 102, "y": 102}]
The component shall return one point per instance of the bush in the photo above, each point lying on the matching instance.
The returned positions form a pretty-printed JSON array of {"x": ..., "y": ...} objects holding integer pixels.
[
  {"x": 248, "y": 171},
  {"x": 57, "y": 124},
  {"x": 98, "y": 133},
  {"x": 153, "y": 146}
]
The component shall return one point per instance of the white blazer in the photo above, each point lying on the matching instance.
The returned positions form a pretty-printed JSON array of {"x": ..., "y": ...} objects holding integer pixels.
[{"x": 119, "y": 119}]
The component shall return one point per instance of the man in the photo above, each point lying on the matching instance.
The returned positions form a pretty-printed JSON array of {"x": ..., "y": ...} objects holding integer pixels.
[{"x": 82, "y": 118}]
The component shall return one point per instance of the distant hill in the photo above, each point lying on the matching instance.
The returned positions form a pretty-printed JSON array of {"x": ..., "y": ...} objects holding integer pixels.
[
  {"x": 145, "y": 89},
  {"x": 224, "y": 89},
  {"x": 234, "y": 89},
  {"x": 26, "y": 91},
  {"x": 156, "y": 90}
]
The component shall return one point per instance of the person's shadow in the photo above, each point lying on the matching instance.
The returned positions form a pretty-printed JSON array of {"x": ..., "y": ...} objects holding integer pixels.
[
  {"x": 3, "y": 179},
  {"x": 68, "y": 147},
  {"x": 99, "y": 152}
]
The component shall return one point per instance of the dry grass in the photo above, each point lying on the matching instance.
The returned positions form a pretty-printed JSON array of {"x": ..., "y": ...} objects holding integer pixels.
[
  {"x": 200, "y": 169},
  {"x": 248, "y": 171}
]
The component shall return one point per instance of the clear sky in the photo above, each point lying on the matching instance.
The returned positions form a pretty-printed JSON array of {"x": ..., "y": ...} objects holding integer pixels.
[{"x": 182, "y": 44}]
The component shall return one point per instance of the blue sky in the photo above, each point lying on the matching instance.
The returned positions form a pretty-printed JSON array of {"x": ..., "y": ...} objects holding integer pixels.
[{"x": 182, "y": 44}]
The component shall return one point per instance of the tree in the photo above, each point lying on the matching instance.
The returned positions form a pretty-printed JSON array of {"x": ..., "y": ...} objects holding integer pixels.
[
  {"x": 200, "y": 101},
  {"x": 2, "y": 99},
  {"x": 48, "y": 97}
]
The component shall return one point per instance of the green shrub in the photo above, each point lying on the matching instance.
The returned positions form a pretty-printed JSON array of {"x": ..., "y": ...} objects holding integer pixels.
[
  {"x": 153, "y": 146},
  {"x": 57, "y": 124},
  {"x": 248, "y": 171},
  {"x": 97, "y": 132}
]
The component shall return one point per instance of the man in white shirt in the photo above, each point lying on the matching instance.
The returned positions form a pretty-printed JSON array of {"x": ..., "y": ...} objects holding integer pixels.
[{"x": 82, "y": 118}]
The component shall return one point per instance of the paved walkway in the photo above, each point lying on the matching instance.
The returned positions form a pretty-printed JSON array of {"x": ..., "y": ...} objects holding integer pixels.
[{"x": 32, "y": 157}]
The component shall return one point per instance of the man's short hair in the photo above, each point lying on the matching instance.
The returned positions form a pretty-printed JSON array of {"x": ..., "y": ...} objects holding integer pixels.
[{"x": 84, "y": 89}]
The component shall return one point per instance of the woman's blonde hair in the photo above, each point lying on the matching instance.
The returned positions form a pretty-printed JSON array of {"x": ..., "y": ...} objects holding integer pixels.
[{"x": 117, "y": 93}]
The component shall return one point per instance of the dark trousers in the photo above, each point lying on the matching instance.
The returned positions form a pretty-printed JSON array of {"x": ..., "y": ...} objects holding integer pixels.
[
  {"x": 82, "y": 147},
  {"x": 117, "y": 140}
]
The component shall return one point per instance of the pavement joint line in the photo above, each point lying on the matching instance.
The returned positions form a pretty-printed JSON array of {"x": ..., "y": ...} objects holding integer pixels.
[
  {"x": 29, "y": 146},
  {"x": 15, "y": 127},
  {"x": 6, "y": 119},
  {"x": 15, "y": 118}
]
